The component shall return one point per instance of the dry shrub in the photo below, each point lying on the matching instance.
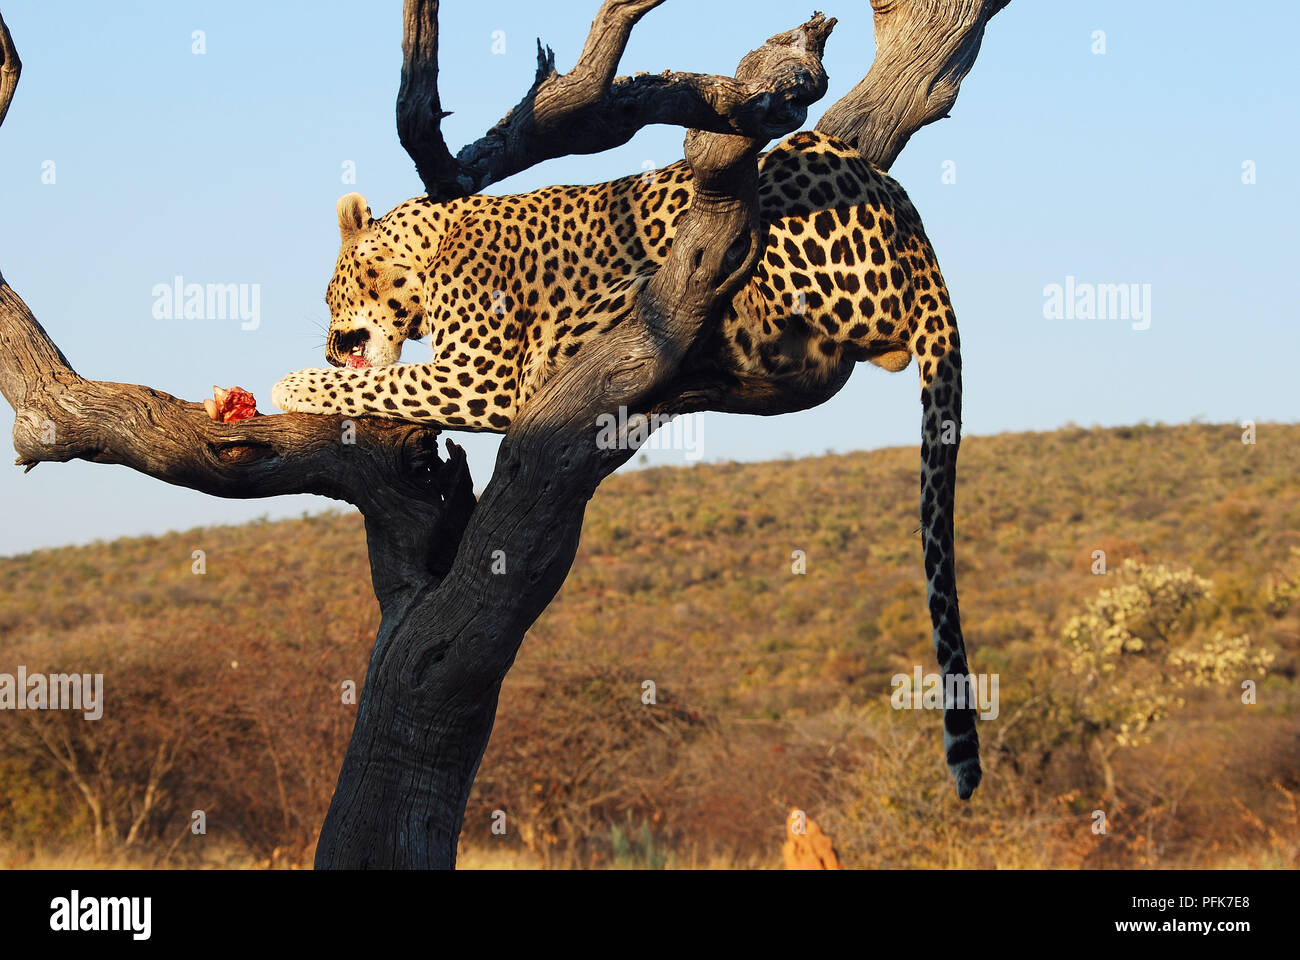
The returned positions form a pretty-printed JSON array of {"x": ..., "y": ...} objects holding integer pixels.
[
  {"x": 773, "y": 687},
  {"x": 249, "y": 733},
  {"x": 573, "y": 752},
  {"x": 899, "y": 810}
]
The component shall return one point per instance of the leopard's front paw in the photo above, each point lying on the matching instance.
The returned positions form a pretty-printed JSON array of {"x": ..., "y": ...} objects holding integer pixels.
[{"x": 299, "y": 392}]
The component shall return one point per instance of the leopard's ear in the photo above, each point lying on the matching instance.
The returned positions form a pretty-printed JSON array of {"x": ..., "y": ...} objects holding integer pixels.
[{"x": 354, "y": 215}]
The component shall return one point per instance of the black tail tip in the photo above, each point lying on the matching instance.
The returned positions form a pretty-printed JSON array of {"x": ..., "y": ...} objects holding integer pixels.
[{"x": 968, "y": 778}]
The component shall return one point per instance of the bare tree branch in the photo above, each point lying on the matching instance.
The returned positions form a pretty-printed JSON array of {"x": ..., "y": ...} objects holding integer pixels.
[
  {"x": 587, "y": 110},
  {"x": 389, "y": 469},
  {"x": 924, "y": 49},
  {"x": 10, "y": 68},
  {"x": 419, "y": 108}
]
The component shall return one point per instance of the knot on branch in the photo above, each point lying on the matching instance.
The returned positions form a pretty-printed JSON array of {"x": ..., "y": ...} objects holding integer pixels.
[{"x": 810, "y": 36}]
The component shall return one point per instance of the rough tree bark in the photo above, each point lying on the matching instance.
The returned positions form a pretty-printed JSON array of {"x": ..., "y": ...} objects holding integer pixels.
[
  {"x": 450, "y": 628},
  {"x": 924, "y": 49}
]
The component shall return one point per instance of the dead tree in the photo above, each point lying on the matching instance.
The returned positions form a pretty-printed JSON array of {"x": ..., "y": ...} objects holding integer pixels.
[{"x": 450, "y": 628}]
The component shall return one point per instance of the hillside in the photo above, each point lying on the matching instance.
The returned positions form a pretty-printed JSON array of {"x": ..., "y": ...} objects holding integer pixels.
[{"x": 223, "y": 689}]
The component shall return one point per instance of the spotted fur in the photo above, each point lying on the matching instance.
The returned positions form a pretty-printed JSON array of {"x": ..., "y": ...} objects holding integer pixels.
[{"x": 510, "y": 288}]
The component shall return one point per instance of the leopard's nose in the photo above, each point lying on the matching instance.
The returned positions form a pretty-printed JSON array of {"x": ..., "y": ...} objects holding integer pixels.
[{"x": 341, "y": 343}]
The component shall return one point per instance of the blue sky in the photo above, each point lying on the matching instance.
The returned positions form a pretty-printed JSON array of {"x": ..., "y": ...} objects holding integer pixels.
[{"x": 1122, "y": 167}]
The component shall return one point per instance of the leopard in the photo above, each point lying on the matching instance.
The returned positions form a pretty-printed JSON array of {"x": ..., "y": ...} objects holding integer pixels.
[{"x": 509, "y": 289}]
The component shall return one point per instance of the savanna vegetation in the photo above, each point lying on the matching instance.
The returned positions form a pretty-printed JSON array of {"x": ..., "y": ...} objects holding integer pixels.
[{"x": 1158, "y": 697}]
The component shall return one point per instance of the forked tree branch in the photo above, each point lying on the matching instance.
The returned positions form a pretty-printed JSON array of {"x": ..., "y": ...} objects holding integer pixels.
[
  {"x": 419, "y": 108},
  {"x": 924, "y": 49},
  {"x": 586, "y": 110}
]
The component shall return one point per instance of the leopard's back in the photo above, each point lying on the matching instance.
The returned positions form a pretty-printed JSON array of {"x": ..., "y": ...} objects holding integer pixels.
[{"x": 526, "y": 280}]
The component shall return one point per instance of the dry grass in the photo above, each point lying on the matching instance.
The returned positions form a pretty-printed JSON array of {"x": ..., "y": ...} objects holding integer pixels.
[{"x": 772, "y": 688}]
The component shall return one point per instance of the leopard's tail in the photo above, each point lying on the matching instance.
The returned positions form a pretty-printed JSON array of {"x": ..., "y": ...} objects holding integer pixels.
[{"x": 937, "y": 348}]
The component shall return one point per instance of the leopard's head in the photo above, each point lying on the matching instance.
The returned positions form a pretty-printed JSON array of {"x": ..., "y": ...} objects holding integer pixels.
[{"x": 374, "y": 296}]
